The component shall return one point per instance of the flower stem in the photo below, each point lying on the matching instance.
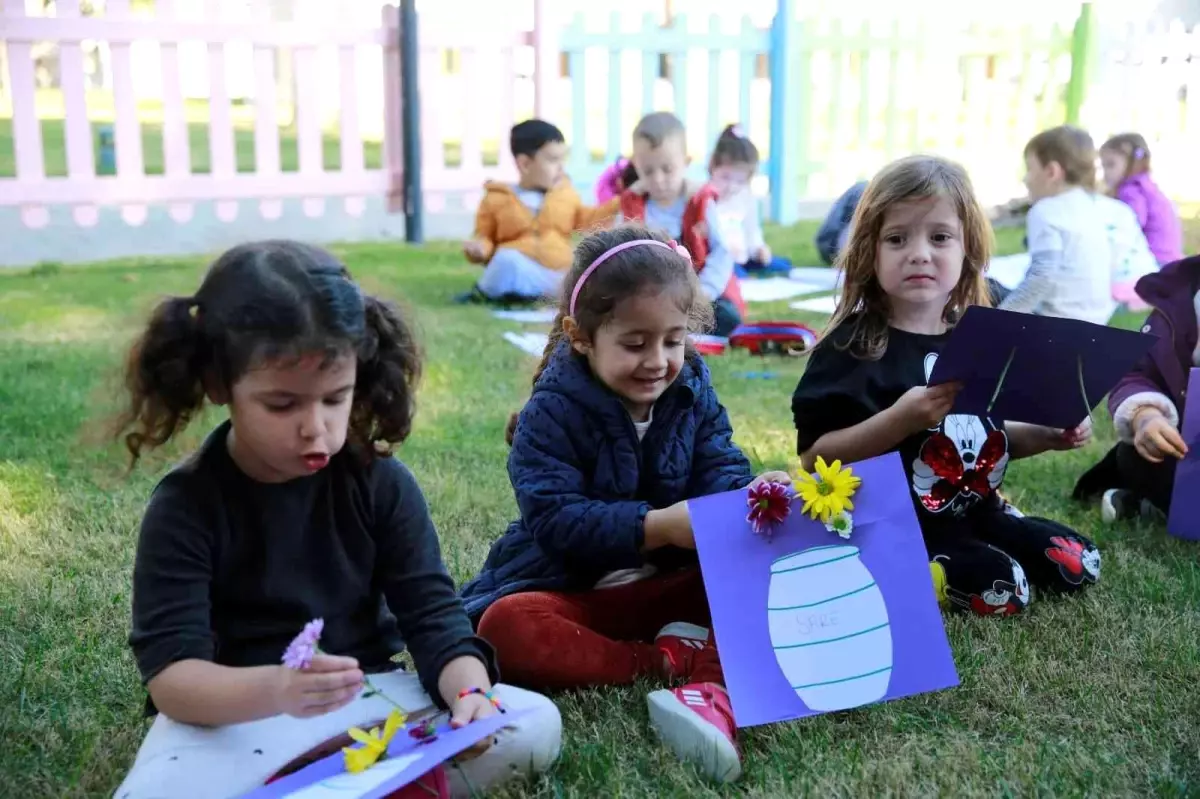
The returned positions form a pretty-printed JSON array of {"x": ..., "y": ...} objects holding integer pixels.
[{"x": 376, "y": 692}]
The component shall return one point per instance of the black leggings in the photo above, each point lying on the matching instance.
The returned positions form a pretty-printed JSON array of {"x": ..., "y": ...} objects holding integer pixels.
[
  {"x": 1152, "y": 481},
  {"x": 986, "y": 561}
]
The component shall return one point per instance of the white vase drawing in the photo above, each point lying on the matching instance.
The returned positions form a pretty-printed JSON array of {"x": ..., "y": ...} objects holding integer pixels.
[{"x": 829, "y": 628}]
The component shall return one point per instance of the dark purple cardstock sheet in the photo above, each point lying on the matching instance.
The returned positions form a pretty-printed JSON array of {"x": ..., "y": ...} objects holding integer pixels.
[
  {"x": 1049, "y": 371},
  {"x": 1184, "y": 518},
  {"x": 328, "y": 777},
  {"x": 808, "y": 622}
]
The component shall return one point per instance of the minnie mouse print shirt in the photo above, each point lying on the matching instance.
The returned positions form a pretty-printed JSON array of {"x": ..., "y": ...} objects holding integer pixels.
[{"x": 952, "y": 468}]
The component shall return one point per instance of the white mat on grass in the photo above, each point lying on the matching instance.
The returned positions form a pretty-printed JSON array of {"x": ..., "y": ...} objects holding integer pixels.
[
  {"x": 533, "y": 315},
  {"x": 1009, "y": 270},
  {"x": 770, "y": 289},
  {"x": 825, "y": 305},
  {"x": 530, "y": 343},
  {"x": 826, "y": 277}
]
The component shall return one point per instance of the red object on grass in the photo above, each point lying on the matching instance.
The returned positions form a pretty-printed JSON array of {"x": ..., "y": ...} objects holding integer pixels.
[{"x": 760, "y": 338}]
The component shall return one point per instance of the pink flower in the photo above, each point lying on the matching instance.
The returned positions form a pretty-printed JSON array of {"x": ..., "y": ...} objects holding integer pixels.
[
  {"x": 770, "y": 504},
  {"x": 300, "y": 651}
]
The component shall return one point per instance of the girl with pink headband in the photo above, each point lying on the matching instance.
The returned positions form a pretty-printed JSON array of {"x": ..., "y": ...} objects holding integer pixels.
[{"x": 597, "y": 582}]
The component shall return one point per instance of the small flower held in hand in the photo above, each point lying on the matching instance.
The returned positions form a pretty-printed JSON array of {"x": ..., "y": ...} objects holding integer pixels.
[
  {"x": 300, "y": 651},
  {"x": 770, "y": 504},
  {"x": 307, "y": 644}
]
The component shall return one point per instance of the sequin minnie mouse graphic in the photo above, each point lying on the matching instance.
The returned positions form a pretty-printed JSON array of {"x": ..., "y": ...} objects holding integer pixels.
[{"x": 962, "y": 462}]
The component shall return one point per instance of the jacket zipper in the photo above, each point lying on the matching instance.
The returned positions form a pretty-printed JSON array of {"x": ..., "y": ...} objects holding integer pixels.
[{"x": 1171, "y": 327}]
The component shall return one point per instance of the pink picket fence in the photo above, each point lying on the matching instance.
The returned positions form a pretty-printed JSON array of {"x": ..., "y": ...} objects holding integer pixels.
[{"x": 266, "y": 184}]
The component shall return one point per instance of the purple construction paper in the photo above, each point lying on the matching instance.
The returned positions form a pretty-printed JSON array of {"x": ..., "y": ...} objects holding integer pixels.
[
  {"x": 1184, "y": 518},
  {"x": 1042, "y": 382},
  {"x": 448, "y": 743},
  {"x": 870, "y": 629}
]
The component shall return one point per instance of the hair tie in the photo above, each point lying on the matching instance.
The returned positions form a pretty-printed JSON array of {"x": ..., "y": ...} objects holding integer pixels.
[
  {"x": 1139, "y": 153},
  {"x": 610, "y": 252},
  {"x": 737, "y": 130}
]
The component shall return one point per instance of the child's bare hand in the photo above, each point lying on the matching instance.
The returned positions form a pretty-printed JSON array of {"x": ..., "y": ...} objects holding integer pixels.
[
  {"x": 923, "y": 407},
  {"x": 1075, "y": 438},
  {"x": 772, "y": 477},
  {"x": 330, "y": 682},
  {"x": 1157, "y": 439},
  {"x": 474, "y": 249},
  {"x": 763, "y": 254},
  {"x": 700, "y": 229}
]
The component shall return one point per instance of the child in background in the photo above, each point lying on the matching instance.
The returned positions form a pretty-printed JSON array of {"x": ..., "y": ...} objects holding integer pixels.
[
  {"x": 735, "y": 225},
  {"x": 913, "y": 265},
  {"x": 1137, "y": 476},
  {"x": 835, "y": 230},
  {"x": 597, "y": 582},
  {"x": 1071, "y": 261},
  {"x": 620, "y": 175},
  {"x": 523, "y": 232},
  {"x": 293, "y": 509},
  {"x": 663, "y": 200},
  {"x": 1126, "y": 162}
]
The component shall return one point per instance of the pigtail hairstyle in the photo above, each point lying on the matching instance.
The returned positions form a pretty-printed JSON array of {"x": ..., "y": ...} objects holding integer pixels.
[
  {"x": 164, "y": 376},
  {"x": 623, "y": 275},
  {"x": 914, "y": 178},
  {"x": 262, "y": 302},
  {"x": 389, "y": 368}
]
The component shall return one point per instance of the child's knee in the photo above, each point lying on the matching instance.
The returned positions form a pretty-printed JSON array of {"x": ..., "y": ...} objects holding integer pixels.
[
  {"x": 1075, "y": 561},
  {"x": 514, "y": 627},
  {"x": 985, "y": 581},
  {"x": 528, "y": 746}
]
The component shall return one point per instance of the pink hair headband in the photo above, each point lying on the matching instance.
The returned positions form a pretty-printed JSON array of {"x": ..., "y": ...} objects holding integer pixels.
[{"x": 609, "y": 253}]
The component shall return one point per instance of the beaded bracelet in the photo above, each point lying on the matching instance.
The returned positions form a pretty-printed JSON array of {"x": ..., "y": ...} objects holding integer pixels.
[{"x": 488, "y": 695}]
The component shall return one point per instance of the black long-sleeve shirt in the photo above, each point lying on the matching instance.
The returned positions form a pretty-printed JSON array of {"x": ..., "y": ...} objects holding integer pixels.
[{"x": 229, "y": 570}]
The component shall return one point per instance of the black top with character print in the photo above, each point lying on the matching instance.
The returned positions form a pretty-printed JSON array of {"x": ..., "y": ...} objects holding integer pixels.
[{"x": 953, "y": 468}]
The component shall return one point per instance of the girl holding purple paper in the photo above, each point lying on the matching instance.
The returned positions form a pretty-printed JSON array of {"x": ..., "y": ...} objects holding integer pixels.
[
  {"x": 293, "y": 510},
  {"x": 1137, "y": 476},
  {"x": 913, "y": 264}
]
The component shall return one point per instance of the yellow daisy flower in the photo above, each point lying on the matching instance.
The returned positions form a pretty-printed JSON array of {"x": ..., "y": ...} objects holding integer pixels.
[
  {"x": 374, "y": 743},
  {"x": 827, "y": 494}
]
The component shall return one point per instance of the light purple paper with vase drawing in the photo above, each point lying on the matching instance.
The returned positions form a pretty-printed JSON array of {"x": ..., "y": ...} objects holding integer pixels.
[
  {"x": 1184, "y": 518},
  {"x": 809, "y": 623},
  {"x": 407, "y": 760}
]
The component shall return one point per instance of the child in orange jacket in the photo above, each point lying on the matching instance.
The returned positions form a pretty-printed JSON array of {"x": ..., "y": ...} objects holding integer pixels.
[{"x": 523, "y": 232}]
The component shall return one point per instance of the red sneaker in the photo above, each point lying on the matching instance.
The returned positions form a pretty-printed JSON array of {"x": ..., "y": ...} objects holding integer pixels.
[
  {"x": 682, "y": 644},
  {"x": 696, "y": 722}
]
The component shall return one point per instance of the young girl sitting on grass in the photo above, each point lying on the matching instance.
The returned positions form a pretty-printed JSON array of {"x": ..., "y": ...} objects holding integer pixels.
[
  {"x": 293, "y": 510},
  {"x": 597, "y": 582},
  {"x": 1126, "y": 162},
  {"x": 913, "y": 264}
]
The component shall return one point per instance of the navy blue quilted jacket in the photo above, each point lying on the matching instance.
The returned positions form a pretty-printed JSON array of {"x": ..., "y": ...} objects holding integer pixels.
[{"x": 584, "y": 483}]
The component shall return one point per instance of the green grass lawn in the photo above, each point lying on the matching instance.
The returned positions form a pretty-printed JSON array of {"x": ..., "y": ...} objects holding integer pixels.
[{"x": 1095, "y": 695}]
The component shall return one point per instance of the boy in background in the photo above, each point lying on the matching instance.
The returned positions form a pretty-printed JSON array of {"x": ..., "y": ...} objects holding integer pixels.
[{"x": 523, "y": 231}]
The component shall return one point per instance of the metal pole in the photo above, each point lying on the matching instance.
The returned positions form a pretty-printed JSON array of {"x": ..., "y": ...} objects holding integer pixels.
[{"x": 411, "y": 122}]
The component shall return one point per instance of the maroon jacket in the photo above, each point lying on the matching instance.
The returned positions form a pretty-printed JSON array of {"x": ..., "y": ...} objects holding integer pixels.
[{"x": 1164, "y": 369}]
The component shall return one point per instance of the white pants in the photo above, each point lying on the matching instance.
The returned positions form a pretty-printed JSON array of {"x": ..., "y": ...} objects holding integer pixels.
[
  {"x": 514, "y": 272},
  {"x": 180, "y": 760}
]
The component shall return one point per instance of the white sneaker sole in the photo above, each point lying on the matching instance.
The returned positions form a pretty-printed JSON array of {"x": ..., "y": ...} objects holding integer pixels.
[
  {"x": 682, "y": 629},
  {"x": 692, "y": 738},
  {"x": 1108, "y": 511}
]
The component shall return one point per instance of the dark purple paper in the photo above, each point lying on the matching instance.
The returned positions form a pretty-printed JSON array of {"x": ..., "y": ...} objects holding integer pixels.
[
  {"x": 857, "y": 618},
  {"x": 1184, "y": 519},
  {"x": 1042, "y": 383},
  {"x": 449, "y": 742}
]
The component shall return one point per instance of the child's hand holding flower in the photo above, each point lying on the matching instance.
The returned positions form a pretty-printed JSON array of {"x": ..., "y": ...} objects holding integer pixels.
[
  {"x": 772, "y": 477},
  {"x": 322, "y": 685}
]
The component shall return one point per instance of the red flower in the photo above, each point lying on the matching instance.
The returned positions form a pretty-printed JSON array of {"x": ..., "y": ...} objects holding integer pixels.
[{"x": 770, "y": 504}]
